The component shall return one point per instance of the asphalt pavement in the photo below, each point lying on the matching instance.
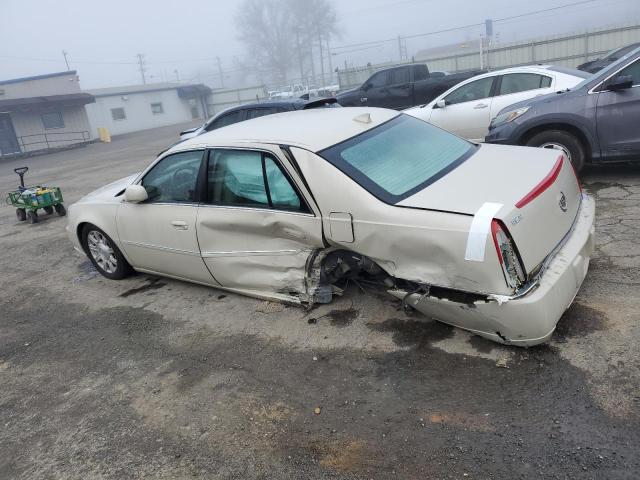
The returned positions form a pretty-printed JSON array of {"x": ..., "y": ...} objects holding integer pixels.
[{"x": 155, "y": 378}]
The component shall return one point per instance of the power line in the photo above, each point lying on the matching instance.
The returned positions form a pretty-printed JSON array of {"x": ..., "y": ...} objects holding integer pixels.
[{"x": 462, "y": 27}]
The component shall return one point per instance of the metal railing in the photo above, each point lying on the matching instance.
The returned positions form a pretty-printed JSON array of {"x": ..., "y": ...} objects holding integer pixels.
[{"x": 50, "y": 140}]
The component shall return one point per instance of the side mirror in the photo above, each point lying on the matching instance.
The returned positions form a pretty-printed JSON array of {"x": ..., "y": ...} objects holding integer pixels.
[
  {"x": 620, "y": 82},
  {"x": 440, "y": 103},
  {"x": 366, "y": 86},
  {"x": 135, "y": 194}
]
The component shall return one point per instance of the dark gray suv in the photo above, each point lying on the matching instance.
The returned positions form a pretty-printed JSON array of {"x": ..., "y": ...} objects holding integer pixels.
[{"x": 597, "y": 121}]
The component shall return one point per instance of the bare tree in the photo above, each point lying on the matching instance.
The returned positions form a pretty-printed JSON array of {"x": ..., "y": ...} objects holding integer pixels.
[
  {"x": 282, "y": 35},
  {"x": 264, "y": 27}
]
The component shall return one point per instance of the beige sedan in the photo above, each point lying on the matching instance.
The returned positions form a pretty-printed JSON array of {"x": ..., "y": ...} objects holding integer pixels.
[{"x": 290, "y": 207}]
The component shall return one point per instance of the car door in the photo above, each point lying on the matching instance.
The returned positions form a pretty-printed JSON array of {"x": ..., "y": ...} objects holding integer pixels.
[
  {"x": 376, "y": 92},
  {"x": 399, "y": 93},
  {"x": 256, "y": 228},
  {"x": 516, "y": 87},
  {"x": 159, "y": 235},
  {"x": 467, "y": 110},
  {"x": 618, "y": 118}
]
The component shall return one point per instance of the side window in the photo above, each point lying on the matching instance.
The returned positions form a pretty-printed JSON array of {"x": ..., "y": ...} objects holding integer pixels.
[
  {"x": 632, "y": 70},
  {"x": 250, "y": 179},
  {"x": 379, "y": 80},
  {"x": 261, "y": 112},
  {"x": 522, "y": 82},
  {"x": 471, "y": 91},
  {"x": 399, "y": 76},
  {"x": 228, "y": 119},
  {"x": 174, "y": 178}
]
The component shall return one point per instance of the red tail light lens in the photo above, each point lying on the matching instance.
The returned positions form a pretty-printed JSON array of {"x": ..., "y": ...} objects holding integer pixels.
[
  {"x": 512, "y": 268},
  {"x": 544, "y": 184}
]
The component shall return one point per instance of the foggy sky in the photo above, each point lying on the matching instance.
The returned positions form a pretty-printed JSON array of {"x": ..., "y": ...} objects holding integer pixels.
[{"x": 187, "y": 36}]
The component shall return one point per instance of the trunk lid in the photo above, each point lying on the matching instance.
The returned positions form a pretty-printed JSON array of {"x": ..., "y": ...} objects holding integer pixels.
[{"x": 538, "y": 190}]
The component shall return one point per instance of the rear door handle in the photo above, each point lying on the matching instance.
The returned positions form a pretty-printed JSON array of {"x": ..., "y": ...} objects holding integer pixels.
[
  {"x": 179, "y": 225},
  {"x": 480, "y": 105},
  {"x": 364, "y": 99}
]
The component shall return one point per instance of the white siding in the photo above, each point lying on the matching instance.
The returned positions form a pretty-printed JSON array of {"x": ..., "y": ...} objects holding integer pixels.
[
  {"x": 31, "y": 132},
  {"x": 137, "y": 107}
]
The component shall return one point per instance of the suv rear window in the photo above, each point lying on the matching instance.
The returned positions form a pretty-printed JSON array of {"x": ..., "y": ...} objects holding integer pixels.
[{"x": 399, "y": 158}]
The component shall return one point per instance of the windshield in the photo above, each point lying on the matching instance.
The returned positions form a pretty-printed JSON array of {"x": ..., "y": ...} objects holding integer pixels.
[
  {"x": 399, "y": 158},
  {"x": 606, "y": 70}
]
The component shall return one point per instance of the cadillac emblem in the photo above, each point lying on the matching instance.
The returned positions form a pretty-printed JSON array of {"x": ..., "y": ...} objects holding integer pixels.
[{"x": 562, "y": 203}]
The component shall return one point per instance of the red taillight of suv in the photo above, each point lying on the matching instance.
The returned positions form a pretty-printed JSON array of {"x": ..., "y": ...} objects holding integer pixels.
[
  {"x": 543, "y": 185},
  {"x": 510, "y": 262}
]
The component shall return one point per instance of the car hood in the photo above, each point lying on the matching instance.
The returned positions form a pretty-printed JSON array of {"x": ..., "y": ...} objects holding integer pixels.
[
  {"x": 108, "y": 192},
  {"x": 539, "y": 100}
]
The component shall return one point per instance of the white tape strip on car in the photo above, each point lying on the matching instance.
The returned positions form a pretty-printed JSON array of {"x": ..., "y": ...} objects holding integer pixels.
[{"x": 479, "y": 230}]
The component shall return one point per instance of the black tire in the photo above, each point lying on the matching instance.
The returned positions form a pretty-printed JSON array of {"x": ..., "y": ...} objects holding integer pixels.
[
  {"x": 21, "y": 214},
  {"x": 91, "y": 239},
  {"x": 60, "y": 210},
  {"x": 563, "y": 141},
  {"x": 32, "y": 216},
  {"x": 48, "y": 210}
]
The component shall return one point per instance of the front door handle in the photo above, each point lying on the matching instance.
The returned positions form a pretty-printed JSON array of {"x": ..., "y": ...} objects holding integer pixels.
[
  {"x": 179, "y": 225},
  {"x": 480, "y": 105},
  {"x": 364, "y": 99}
]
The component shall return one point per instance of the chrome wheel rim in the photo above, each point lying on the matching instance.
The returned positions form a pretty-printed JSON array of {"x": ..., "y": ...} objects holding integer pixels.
[
  {"x": 557, "y": 146},
  {"x": 101, "y": 252}
]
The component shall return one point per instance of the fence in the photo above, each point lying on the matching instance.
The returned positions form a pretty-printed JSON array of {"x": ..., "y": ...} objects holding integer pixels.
[
  {"x": 220, "y": 99},
  {"x": 562, "y": 50},
  {"x": 51, "y": 140}
]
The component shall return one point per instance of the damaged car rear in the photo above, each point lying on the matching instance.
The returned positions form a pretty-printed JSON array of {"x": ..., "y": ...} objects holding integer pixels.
[{"x": 492, "y": 239}]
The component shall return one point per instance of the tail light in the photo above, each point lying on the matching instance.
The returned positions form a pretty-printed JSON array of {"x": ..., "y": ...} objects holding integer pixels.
[
  {"x": 545, "y": 183},
  {"x": 510, "y": 262}
]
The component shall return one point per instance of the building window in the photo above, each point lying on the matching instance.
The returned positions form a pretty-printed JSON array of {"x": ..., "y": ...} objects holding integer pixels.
[
  {"x": 52, "y": 120},
  {"x": 118, "y": 113},
  {"x": 156, "y": 108}
]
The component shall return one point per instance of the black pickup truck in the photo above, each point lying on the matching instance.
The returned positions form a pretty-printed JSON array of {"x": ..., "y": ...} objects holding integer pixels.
[{"x": 401, "y": 87}]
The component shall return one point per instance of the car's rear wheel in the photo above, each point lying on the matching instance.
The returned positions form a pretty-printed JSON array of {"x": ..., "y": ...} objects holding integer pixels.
[
  {"x": 104, "y": 254},
  {"x": 562, "y": 141}
]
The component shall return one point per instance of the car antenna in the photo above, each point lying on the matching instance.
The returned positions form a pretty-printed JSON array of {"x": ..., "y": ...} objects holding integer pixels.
[{"x": 364, "y": 118}]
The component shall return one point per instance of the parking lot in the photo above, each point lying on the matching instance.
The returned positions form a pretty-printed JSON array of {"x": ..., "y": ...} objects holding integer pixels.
[{"x": 155, "y": 378}]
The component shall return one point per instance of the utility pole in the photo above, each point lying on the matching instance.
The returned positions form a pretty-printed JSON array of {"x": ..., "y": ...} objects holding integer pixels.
[
  {"x": 330, "y": 62},
  {"x": 220, "y": 72},
  {"x": 177, "y": 75},
  {"x": 141, "y": 67},
  {"x": 321, "y": 59},
  {"x": 299, "y": 50},
  {"x": 64, "y": 54},
  {"x": 402, "y": 48}
]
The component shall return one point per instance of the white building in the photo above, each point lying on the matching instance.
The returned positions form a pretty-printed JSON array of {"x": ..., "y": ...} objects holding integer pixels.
[
  {"x": 42, "y": 113},
  {"x": 141, "y": 107}
]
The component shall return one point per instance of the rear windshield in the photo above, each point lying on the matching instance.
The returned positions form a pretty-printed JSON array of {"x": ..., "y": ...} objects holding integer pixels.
[{"x": 399, "y": 158}]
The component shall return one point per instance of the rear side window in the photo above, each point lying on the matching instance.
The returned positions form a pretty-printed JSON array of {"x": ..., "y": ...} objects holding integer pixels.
[
  {"x": 522, "y": 82},
  {"x": 399, "y": 158},
  {"x": 399, "y": 76},
  {"x": 242, "y": 178},
  {"x": 228, "y": 119}
]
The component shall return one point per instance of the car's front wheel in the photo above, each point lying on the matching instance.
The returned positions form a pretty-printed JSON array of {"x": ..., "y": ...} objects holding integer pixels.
[
  {"x": 104, "y": 254},
  {"x": 562, "y": 141}
]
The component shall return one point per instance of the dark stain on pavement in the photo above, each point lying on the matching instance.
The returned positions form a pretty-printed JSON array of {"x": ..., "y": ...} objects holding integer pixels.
[
  {"x": 413, "y": 333},
  {"x": 578, "y": 321},
  {"x": 152, "y": 284},
  {"x": 342, "y": 318}
]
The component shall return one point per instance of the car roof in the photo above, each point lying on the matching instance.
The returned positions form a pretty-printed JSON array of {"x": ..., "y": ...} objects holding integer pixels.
[{"x": 314, "y": 129}]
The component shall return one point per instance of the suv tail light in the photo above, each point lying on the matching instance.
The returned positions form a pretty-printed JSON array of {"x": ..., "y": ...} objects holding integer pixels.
[{"x": 512, "y": 267}]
